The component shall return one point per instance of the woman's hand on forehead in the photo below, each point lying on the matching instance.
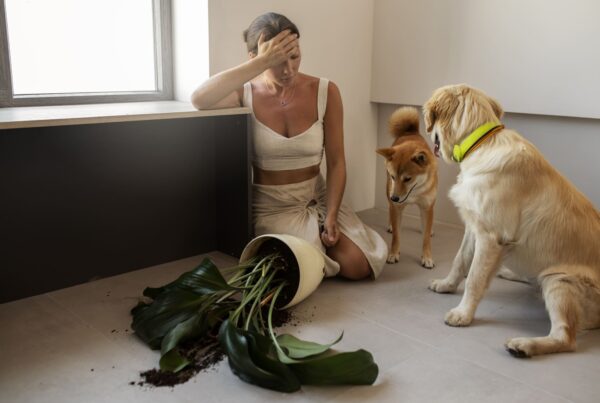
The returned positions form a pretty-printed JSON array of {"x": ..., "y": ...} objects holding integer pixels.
[{"x": 279, "y": 48}]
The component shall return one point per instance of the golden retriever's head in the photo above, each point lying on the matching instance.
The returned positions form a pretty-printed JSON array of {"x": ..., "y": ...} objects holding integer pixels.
[
  {"x": 408, "y": 167},
  {"x": 453, "y": 112}
]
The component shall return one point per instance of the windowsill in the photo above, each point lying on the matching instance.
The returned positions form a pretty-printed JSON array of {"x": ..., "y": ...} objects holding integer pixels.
[{"x": 42, "y": 116}]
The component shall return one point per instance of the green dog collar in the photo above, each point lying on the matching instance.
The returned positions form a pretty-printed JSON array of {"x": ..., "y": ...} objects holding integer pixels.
[{"x": 460, "y": 150}]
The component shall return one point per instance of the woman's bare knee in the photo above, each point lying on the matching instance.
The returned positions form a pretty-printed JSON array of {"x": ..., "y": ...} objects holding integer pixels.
[
  {"x": 352, "y": 261},
  {"x": 355, "y": 272}
]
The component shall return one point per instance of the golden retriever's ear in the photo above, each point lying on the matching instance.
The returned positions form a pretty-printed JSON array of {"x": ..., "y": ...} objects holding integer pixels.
[
  {"x": 386, "y": 152},
  {"x": 420, "y": 158},
  {"x": 429, "y": 114},
  {"x": 496, "y": 107}
]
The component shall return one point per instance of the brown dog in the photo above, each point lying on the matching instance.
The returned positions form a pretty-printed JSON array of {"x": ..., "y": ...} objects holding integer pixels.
[{"x": 411, "y": 178}]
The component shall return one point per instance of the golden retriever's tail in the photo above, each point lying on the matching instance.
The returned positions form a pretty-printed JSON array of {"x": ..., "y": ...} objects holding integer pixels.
[{"x": 404, "y": 121}]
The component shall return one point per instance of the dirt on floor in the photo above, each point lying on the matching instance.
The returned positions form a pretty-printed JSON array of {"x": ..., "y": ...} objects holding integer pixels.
[{"x": 203, "y": 353}]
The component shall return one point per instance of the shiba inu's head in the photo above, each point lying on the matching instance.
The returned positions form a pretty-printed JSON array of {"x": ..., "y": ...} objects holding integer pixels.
[
  {"x": 453, "y": 112},
  {"x": 408, "y": 167}
]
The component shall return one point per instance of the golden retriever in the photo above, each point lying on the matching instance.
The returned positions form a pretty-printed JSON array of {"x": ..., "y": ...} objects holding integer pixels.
[
  {"x": 516, "y": 207},
  {"x": 411, "y": 179}
]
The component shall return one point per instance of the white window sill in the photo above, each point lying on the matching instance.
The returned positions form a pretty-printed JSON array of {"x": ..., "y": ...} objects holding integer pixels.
[{"x": 42, "y": 116}]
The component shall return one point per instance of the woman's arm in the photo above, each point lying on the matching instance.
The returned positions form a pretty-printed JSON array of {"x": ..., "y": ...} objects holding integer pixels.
[
  {"x": 333, "y": 126},
  {"x": 224, "y": 90}
]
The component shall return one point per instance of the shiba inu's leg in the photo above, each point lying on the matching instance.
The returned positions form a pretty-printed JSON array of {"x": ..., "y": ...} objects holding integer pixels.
[
  {"x": 486, "y": 260},
  {"x": 427, "y": 225},
  {"x": 395, "y": 211},
  {"x": 572, "y": 302},
  {"x": 460, "y": 266}
]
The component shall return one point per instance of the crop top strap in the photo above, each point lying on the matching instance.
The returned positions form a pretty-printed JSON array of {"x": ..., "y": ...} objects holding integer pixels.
[
  {"x": 322, "y": 97},
  {"x": 247, "y": 97}
]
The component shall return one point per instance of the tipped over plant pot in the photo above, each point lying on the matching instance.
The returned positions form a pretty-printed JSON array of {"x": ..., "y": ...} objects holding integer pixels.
[{"x": 235, "y": 308}]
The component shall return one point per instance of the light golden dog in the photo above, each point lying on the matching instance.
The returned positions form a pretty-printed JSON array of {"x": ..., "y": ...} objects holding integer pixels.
[
  {"x": 411, "y": 178},
  {"x": 515, "y": 205}
]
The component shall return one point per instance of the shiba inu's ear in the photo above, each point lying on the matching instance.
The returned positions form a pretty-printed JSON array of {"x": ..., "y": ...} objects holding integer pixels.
[
  {"x": 420, "y": 158},
  {"x": 386, "y": 152}
]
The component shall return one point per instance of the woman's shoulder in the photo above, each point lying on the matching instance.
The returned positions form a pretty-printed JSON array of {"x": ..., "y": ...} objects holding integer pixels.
[
  {"x": 313, "y": 83},
  {"x": 312, "y": 80}
]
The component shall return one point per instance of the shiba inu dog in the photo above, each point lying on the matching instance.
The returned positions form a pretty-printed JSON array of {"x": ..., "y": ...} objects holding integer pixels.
[{"x": 411, "y": 178}]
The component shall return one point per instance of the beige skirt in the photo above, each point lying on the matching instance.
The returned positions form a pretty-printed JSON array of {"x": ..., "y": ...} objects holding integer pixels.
[{"x": 300, "y": 208}]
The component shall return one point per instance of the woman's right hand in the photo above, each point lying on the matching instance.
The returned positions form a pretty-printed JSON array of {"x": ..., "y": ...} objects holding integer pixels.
[{"x": 279, "y": 48}]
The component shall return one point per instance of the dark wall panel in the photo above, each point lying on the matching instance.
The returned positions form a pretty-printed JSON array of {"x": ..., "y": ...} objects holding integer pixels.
[{"x": 89, "y": 201}]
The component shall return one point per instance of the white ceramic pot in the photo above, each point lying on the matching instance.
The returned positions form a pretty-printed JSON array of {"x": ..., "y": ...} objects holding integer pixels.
[{"x": 310, "y": 262}]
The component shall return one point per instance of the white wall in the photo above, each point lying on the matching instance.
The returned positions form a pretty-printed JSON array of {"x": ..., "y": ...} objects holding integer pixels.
[
  {"x": 570, "y": 144},
  {"x": 335, "y": 37},
  {"x": 538, "y": 56}
]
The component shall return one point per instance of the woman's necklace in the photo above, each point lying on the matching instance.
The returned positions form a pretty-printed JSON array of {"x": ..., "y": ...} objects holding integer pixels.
[{"x": 283, "y": 102}]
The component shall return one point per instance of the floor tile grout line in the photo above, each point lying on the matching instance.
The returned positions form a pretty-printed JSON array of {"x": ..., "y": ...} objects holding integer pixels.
[{"x": 389, "y": 328}]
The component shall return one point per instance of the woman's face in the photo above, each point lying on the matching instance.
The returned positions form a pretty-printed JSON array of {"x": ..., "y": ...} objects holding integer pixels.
[{"x": 284, "y": 74}]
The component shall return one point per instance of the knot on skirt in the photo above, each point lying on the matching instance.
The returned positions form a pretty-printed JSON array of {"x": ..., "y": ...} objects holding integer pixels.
[
  {"x": 312, "y": 209},
  {"x": 311, "y": 203}
]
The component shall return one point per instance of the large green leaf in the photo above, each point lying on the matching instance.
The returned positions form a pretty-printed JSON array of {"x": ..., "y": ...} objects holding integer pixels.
[
  {"x": 141, "y": 306},
  {"x": 298, "y": 348},
  {"x": 169, "y": 309},
  {"x": 350, "y": 368},
  {"x": 173, "y": 361},
  {"x": 249, "y": 359},
  {"x": 204, "y": 279},
  {"x": 195, "y": 326}
]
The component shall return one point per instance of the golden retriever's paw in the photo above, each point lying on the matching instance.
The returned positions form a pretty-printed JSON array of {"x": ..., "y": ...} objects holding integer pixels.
[
  {"x": 457, "y": 317},
  {"x": 520, "y": 347},
  {"x": 427, "y": 262},
  {"x": 393, "y": 257},
  {"x": 442, "y": 286}
]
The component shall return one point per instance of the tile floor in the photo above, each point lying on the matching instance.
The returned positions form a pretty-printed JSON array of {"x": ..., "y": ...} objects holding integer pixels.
[{"x": 75, "y": 345}]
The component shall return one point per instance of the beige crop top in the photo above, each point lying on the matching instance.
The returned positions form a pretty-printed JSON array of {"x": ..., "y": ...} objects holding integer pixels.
[{"x": 275, "y": 152}]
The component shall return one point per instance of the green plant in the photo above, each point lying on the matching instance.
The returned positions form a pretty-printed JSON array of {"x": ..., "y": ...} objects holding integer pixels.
[{"x": 237, "y": 307}]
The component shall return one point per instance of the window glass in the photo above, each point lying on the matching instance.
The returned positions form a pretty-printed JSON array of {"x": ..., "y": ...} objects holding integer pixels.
[{"x": 81, "y": 46}]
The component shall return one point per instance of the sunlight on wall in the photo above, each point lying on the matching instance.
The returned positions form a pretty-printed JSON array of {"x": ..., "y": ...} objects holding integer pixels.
[{"x": 190, "y": 46}]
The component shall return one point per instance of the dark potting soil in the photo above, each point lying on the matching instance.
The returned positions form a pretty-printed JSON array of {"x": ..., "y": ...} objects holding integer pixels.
[{"x": 203, "y": 354}]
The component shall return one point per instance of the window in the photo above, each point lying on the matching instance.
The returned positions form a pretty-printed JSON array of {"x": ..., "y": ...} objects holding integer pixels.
[{"x": 56, "y": 52}]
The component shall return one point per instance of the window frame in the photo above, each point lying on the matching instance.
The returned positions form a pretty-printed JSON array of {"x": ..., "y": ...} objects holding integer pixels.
[{"x": 163, "y": 63}]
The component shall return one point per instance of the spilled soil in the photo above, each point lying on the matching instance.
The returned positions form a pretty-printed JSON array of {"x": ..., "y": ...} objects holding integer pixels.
[{"x": 203, "y": 353}]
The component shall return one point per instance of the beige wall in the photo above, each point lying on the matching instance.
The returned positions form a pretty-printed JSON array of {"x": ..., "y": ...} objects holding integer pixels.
[
  {"x": 336, "y": 43},
  {"x": 535, "y": 55}
]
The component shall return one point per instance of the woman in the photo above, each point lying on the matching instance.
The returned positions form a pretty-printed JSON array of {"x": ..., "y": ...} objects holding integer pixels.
[{"x": 296, "y": 118}]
